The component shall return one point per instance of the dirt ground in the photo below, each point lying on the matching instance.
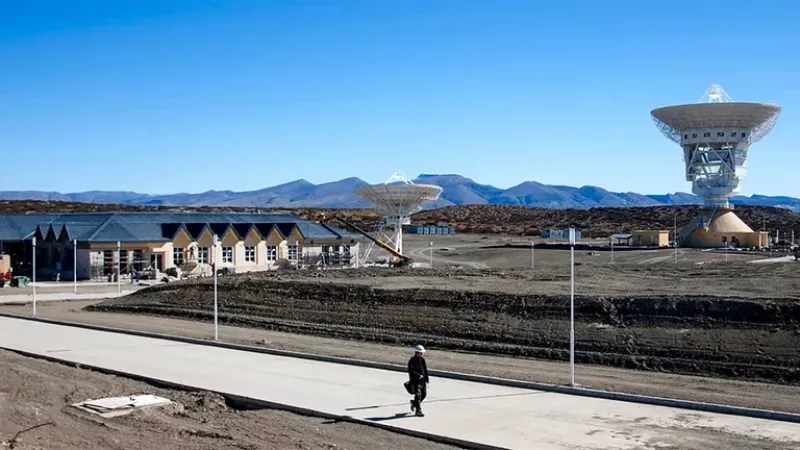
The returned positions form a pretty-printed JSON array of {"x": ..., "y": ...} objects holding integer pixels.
[
  {"x": 735, "y": 320},
  {"x": 707, "y": 389},
  {"x": 34, "y": 392}
]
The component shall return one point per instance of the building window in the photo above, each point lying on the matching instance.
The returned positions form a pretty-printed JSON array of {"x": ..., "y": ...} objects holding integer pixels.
[
  {"x": 744, "y": 134},
  {"x": 177, "y": 256},
  {"x": 720, "y": 134},
  {"x": 227, "y": 255},
  {"x": 250, "y": 254},
  {"x": 694, "y": 135},
  {"x": 733, "y": 134},
  {"x": 272, "y": 253},
  {"x": 202, "y": 255},
  {"x": 707, "y": 134},
  {"x": 138, "y": 260},
  {"x": 346, "y": 254},
  {"x": 686, "y": 136},
  {"x": 293, "y": 252}
]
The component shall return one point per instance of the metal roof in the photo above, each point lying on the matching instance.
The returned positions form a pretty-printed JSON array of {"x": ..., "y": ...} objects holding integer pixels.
[{"x": 155, "y": 227}]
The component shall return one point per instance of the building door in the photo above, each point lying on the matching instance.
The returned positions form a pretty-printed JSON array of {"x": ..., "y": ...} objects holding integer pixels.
[{"x": 157, "y": 261}]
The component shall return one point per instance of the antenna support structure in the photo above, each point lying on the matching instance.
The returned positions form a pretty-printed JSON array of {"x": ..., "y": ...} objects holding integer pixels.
[
  {"x": 715, "y": 135},
  {"x": 396, "y": 200}
]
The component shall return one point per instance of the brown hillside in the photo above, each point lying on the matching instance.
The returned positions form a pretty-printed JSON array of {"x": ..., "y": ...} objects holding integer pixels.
[{"x": 487, "y": 219}]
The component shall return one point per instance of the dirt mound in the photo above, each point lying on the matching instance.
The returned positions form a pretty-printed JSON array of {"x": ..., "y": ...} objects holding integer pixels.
[{"x": 732, "y": 337}]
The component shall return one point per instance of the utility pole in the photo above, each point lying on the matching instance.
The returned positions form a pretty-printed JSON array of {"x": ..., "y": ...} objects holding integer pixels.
[
  {"x": 675, "y": 236},
  {"x": 533, "y": 255},
  {"x": 612, "y": 249},
  {"x": 430, "y": 256},
  {"x": 216, "y": 322},
  {"x": 119, "y": 269},
  {"x": 33, "y": 284},
  {"x": 75, "y": 266},
  {"x": 572, "y": 307}
]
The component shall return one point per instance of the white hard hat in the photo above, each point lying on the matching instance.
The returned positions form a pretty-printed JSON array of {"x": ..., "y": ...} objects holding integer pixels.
[{"x": 419, "y": 349}]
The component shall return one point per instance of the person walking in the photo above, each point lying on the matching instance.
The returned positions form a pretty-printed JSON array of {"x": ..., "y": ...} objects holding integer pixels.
[{"x": 418, "y": 379}]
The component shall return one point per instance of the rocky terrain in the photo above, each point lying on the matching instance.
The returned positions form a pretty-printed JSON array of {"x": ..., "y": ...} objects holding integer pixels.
[{"x": 484, "y": 219}]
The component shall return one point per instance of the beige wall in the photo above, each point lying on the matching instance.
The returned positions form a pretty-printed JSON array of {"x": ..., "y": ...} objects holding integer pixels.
[
  {"x": 650, "y": 238},
  {"x": 704, "y": 239},
  {"x": 230, "y": 239}
]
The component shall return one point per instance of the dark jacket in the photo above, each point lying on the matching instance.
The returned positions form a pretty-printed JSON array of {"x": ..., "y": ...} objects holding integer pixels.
[{"x": 417, "y": 369}]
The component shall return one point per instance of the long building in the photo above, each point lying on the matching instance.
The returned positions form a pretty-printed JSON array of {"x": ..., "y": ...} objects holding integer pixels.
[{"x": 247, "y": 242}]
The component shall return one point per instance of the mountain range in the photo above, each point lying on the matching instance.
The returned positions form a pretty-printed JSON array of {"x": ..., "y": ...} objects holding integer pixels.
[{"x": 457, "y": 190}]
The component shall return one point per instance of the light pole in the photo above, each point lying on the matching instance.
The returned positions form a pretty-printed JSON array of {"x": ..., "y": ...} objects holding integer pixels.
[
  {"x": 33, "y": 277},
  {"x": 533, "y": 254},
  {"x": 75, "y": 266},
  {"x": 216, "y": 321},
  {"x": 675, "y": 236},
  {"x": 572, "y": 306},
  {"x": 612, "y": 249},
  {"x": 119, "y": 269},
  {"x": 430, "y": 256}
]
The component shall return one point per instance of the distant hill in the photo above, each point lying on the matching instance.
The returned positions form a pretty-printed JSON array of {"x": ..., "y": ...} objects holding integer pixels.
[{"x": 457, "y": 190}]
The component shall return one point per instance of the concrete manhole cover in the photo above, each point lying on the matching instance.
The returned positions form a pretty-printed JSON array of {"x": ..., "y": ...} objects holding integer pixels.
[{"x": 119, "y": 406}]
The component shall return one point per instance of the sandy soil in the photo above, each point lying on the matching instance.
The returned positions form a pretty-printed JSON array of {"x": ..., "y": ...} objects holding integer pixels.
[
  {"x": 34, "y": 392},
  {"x": 725, "y": 391},
  {"x": 674, "y": 319}
]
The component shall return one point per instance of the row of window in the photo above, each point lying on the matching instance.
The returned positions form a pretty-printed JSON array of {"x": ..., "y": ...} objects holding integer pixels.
[
  {"x": 227, "y": 254},
  {"x": 708, "y": 135}
]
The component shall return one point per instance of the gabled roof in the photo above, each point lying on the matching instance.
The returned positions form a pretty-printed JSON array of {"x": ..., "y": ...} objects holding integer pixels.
[
  {"x": 196, "y": 229},
  {"x": 17, "y": 227},
  {"x": 286, "y": 228},
  {"x": 50, "y": 234},
  {"x": 219, "y": 229},
  {"x": 266, "y": 228},
  {"x": 155, "y": 227},
  {"x": 242, "y": 229},
  {"x": 80, "y": 232},
  {"x": 343, "y": 234}
]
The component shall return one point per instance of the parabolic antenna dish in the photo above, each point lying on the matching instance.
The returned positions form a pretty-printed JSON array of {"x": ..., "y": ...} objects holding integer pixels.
[
  {"x": 399, "y": 196},
  {"x": 396, "y": 200},
  {"x": 758, "y": 118},
  {"x": 715, "y": 135}
]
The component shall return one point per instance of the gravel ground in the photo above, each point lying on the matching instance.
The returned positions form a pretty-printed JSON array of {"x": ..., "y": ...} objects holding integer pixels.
[
  {"x": 673, "y": 320},
  {"x": 35, "y": 392},
  {"x": 713, "y": 390}
]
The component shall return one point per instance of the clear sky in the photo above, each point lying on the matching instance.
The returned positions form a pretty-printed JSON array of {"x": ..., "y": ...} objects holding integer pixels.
[{"x": 191, "y": 95}]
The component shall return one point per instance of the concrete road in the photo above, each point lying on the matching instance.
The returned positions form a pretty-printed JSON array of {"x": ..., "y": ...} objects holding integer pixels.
[
  {"x": 59, "y": 296},
  {"x": 493, "y": 415}
]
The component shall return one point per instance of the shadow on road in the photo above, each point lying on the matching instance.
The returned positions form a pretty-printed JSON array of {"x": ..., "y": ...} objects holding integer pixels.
[
  {"x": 444, "y": 400},
  {"x": 401, "y": 415}
]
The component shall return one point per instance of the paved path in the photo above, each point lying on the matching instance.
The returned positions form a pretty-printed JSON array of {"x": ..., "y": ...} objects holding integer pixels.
[
  {"x": 60, "y": 296},
  {"x": 494, "y": 415}
]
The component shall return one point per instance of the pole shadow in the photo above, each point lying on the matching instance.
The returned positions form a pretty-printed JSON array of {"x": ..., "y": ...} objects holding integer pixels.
[{"x": 444, "y": 400}]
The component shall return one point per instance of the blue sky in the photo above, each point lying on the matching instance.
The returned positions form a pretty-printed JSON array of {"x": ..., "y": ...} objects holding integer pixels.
[{"x": 161, "y": 96}]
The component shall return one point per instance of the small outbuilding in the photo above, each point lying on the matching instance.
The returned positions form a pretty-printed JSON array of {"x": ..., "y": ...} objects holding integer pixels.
[
  {"x": 620, "y": 239},
  {"x": 650, "y": 238}
]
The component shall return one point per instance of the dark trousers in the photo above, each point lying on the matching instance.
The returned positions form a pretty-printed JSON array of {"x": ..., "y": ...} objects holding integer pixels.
[{"x": 420, "y": 392}]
